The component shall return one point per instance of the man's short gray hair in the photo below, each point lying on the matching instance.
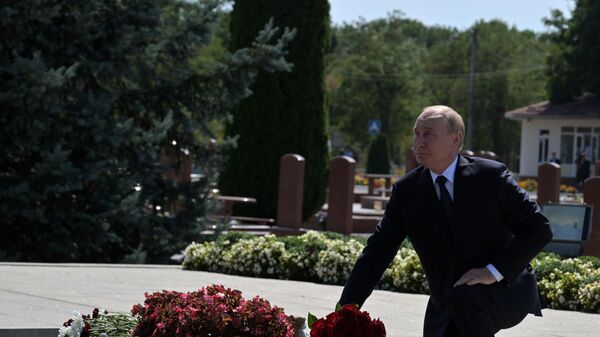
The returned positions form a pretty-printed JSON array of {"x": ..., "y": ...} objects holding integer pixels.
[{"x": 451, "y": 117}]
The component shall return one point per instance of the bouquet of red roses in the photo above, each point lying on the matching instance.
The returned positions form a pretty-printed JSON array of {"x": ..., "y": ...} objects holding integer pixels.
[{"x": 346, "y": 321}]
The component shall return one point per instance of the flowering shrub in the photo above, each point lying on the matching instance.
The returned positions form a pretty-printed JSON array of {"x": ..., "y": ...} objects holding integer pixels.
[
  {"x": 202, "y": 256},
  {"x": 545, "y": 263},
  {"x": 348, "y": 321},
  {"x": 378, "y": 182},
  {"x": 561, "y": 290},
  {"x": 336, "y": 263},
  {"x": 210, "y": 255},
  {"x": 589, "y": 296},
  {"x": 595, "y": 261},
  {"x": 360, "y": 179},
  {"x": 570, "y": 284},
  {"x": 568, "y": 188},
  {"x": 211, "y": 311},
  {"x": 387, "y": 279},
  {"x": 260, "y": 257},
  {"x": 529, "y": 185},
  {"x": 408, "y": 274},
  {"x": 302, "y": 255}
]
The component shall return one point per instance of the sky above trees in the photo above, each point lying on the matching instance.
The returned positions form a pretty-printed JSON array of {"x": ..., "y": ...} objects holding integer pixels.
[{"x": 459, "y": 13}]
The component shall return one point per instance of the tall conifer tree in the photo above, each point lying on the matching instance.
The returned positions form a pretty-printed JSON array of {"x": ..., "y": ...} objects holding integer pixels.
[{"x": 286, "y": 112}]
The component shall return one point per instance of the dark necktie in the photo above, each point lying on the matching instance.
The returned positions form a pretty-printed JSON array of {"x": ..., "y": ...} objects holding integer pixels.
[{"x": 445, "y": 199}]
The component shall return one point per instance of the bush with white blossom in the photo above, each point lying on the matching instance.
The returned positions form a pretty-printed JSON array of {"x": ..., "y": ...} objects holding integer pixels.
[
  {"x": 569, "y": 284},
  {"x": 200, "y": 256},
  {"x": 336, "y": 263},
  {"x": 589, "y": 296},
  {"x": 387, "y": 279},
  {"x": 302, "y": 255},
  {"x": 209, "y": 256},
  {"x": 259, "y": 257},
  {"x": 407, "y": 274}
]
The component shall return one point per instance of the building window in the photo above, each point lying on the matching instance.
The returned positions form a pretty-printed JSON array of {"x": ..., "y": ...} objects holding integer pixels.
[
  {"x": 583, "y": 143},
  {"x": 567, "y": 148},
  {"x": 577, "y": 141},
  {"x": 543, "y": 146}
]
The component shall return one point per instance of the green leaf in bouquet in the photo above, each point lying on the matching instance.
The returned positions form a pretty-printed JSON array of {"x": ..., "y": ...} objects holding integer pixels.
[
  {"x": 311, "y": 320},
  {"x": 338, "y": 306}
]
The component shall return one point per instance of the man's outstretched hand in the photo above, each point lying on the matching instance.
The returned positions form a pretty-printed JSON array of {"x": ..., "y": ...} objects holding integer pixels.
[{"x": 476, "y": 276}]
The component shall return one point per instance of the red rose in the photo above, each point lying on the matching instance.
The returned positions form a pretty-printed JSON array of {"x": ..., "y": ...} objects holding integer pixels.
[
  {"x": 321, "y": 328},
  {"x": 377, "y": 328},
  {"x": 348, "y": 321}
]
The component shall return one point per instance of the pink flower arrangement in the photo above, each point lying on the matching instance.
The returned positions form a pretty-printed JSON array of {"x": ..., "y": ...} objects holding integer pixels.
[{"x": 211, "y": 311}]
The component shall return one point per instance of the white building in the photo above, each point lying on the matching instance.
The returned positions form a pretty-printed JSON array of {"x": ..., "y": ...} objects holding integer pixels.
[{"x": 568, "y": 129}]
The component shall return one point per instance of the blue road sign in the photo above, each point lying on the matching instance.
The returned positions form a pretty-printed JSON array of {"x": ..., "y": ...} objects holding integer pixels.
[{"x": 374, "y": 126}]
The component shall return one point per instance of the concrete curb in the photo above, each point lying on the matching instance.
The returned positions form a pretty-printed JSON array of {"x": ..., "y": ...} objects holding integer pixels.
[{"x": 26, "y": 332}]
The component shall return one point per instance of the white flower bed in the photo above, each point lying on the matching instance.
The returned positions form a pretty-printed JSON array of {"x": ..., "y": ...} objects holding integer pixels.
[
  {"x": 256, "y": 257},
  {"x": 570, "y": 284},
  {"x": 408, "y": 273},
  {"x": 335, "y": 263},
  {"x": 300, "y": 261}
]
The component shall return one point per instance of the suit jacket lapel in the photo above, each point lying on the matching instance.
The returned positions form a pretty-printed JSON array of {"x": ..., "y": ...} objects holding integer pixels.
[{"x": 462, "y": 198}]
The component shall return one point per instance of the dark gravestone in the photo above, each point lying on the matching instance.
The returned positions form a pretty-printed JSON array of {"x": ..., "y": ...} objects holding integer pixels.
[
  {"x": 548, "y": 183},
  {"x": 291, "y": 189},
  {"x": 341, "y": 195},
  {"x": 176, "y": 166},
  {"x": 591, "y": 196}
]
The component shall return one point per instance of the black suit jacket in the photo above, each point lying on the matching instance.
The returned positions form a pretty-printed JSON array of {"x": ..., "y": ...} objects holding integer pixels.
[{"x": 493, "y": 222}]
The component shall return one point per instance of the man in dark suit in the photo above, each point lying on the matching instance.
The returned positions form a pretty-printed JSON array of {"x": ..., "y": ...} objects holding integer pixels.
[{"x": 474, "y": 229}]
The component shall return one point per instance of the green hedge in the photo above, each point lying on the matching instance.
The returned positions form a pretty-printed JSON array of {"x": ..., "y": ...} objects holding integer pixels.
[{"x": 569, "y": 284}]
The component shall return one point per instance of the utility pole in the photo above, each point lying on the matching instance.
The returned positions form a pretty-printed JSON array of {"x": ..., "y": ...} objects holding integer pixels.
[{"x": 469, "y": 145}]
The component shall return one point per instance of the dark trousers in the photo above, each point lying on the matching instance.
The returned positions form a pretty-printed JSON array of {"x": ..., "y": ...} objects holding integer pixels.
[{"x": 482, "y": 310}]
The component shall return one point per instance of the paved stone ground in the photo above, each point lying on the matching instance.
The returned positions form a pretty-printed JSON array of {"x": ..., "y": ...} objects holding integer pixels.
[{"x": 44, "y": 295}]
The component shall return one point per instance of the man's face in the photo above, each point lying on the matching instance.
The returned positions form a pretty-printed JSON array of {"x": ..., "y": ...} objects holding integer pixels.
[{"x": 434, "y": 146}]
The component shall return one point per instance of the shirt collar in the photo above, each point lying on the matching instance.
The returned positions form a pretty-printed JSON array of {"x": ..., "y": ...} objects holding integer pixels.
[{"x": 448, "y": 173}]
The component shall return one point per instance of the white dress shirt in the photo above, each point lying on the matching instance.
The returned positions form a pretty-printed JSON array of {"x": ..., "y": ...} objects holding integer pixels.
[{"x": 449, "y": 174}]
